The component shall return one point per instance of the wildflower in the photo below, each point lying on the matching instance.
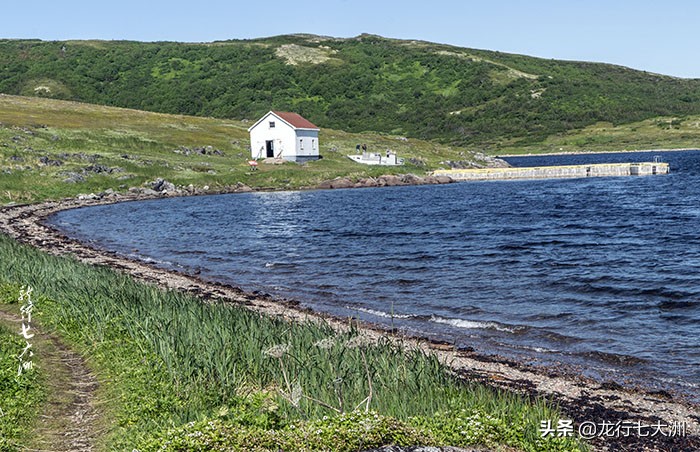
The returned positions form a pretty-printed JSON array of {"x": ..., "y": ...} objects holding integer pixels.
[
  {"x": 326, "y": 343},
  {"x": 277, "y": 351},
  {"x": 356, "y": 342},
  {"x": 295, "y": 396}
]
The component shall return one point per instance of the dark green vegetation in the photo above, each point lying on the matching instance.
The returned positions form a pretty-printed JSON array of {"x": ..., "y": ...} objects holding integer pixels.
[
  {"x": 185, "y": 375},
  {"x": 418, "y": 89}
]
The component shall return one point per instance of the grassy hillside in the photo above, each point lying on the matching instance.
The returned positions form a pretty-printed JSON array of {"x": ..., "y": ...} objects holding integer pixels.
[
  {"x": 51, "y": 149},
  {"x": 417, "y": 89},
  {"x": 667, "y": 132}
]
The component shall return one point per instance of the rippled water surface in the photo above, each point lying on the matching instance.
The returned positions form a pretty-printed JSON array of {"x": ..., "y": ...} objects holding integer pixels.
[{"x": 602, "y": 274}]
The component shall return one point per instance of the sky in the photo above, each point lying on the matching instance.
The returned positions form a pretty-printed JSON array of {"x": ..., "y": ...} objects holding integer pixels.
[{"x": 655, "y": 36}]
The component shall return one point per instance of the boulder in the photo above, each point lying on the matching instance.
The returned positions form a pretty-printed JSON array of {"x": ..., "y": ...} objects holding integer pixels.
[
  {"x": 443, "y": 179},
  {"x": 367, "y": 182},
  {"x": 162, "y": 185},
  {"x": 338, "y": 182},
  {"x": 242, "y": 188},
  {"x": 389, "y": 180},
  {"x": 342, "y": 182},
  {"x": 91, "y": 196},
  {"x": 412, "y": 179},
  {"x": 72, "y": 178}
]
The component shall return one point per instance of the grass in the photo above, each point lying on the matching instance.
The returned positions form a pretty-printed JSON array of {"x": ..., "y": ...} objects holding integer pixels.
[
  {"x": 180, "y": 374},
  {"x": 20, "y": 395},
  {"x": 657, "y": 133},
  {"x": 115, "y": 148}
]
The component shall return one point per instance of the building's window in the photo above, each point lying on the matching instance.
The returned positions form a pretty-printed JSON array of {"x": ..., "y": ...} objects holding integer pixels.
[
  {"x": 272, "y": 124},
  {"x": 313, "y": 144},
  {"x": 301, "y": 145}
]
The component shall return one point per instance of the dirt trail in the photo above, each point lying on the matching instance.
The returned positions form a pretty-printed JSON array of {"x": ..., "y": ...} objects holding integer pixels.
[
  {"x": 69, "y": 418},
  {"x": 583, "y": 400}
]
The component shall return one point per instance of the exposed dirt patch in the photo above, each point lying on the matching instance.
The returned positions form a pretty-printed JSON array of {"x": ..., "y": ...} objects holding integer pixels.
[
  {"x": 582, "y": 399},
  {"x": 69, "y": 419},
  {"x": 295, "y": 54}
]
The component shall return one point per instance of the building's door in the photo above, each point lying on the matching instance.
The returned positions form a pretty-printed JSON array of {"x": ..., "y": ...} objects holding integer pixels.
[{"x": 270, "y": 148}]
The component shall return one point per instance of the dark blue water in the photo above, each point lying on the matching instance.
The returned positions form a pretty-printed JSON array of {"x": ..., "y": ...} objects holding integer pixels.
[{"x": 601, "y": 274}]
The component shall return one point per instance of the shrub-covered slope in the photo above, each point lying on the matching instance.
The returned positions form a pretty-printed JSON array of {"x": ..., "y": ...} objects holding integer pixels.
[{"x": 418, "y": 89}]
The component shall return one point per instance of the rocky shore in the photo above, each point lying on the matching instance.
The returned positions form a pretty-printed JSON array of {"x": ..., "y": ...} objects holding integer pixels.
[{"x": 583, "y": 400}]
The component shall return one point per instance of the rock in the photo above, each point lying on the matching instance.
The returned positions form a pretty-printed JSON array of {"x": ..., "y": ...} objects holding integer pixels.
[
  {"x": 412, "y": 179},
  {"x": 389, "y": 180},
  {"x": 242, "y": 188},
  {"x": 16, "y": 158},
  {"x": 46, "y": 161},
  {"x": 91, "y": 196},
  {"x": 342, "y": 182},
  {"x": 162, "y": 185},
  {"x": 73, "y": 178},
  {"x": 444, "y": 179},
  {"x": 97, "y": 169},
  {"x": 367, "y": 182}
]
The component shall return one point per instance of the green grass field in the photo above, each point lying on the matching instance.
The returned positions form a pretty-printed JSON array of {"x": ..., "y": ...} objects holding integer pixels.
[{"x": 51, "y": 149}]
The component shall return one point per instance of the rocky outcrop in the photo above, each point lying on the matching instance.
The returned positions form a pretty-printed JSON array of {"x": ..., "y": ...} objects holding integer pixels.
[
  {"x": 387, "y": 180},
  {"x": 203, "y": 150},
  {"x": 162, "y": 185},
  {"x": 479, "y": 161}
]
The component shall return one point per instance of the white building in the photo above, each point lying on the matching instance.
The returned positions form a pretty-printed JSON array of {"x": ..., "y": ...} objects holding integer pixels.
[{"x": 284, "y": 135}]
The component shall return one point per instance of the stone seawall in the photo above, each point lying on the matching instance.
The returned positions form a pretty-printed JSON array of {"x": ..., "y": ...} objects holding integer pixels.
[{"x": 557, "y": 172}]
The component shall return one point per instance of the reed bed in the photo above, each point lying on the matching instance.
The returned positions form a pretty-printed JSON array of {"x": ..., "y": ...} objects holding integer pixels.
[{"x": 169, "y": 359}]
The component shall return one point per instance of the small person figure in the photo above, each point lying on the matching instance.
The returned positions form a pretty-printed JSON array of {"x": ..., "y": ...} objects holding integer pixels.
[
  {"x": 364, "y": 147},
  {"x": 357, "y": 148}
]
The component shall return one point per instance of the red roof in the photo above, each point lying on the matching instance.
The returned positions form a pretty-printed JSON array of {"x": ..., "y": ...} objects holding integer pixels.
[{"x": 296, "y": 120}]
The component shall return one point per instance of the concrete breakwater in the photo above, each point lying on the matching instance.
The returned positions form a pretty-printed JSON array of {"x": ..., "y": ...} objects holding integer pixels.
[{"x": 557, "y": 172}]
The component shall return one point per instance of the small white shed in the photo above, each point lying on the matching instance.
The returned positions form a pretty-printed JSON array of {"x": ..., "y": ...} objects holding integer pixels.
[{"x": 284, "y": 135}]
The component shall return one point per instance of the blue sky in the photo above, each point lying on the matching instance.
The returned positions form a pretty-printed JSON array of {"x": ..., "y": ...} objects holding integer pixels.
[{"x": 656, "y": 36}]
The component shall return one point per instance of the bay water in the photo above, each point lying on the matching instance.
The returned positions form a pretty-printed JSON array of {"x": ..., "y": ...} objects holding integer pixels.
[{"x": 599, "y": 275}]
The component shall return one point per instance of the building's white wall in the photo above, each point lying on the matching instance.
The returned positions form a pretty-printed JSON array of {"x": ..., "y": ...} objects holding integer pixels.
[
  {"x": 307, "y": 142},
  {"x": 290, "y": 142},
  {"x": 282, "y": 135}
]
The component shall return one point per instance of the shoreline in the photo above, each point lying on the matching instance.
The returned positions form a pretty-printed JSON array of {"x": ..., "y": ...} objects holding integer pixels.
[
  {"x": 581, "y": 398},
  {"x": 634, "y": 151}
]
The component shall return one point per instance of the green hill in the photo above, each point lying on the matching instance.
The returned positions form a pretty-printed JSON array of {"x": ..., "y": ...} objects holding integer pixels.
[{"x": 368, "y": 83}]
